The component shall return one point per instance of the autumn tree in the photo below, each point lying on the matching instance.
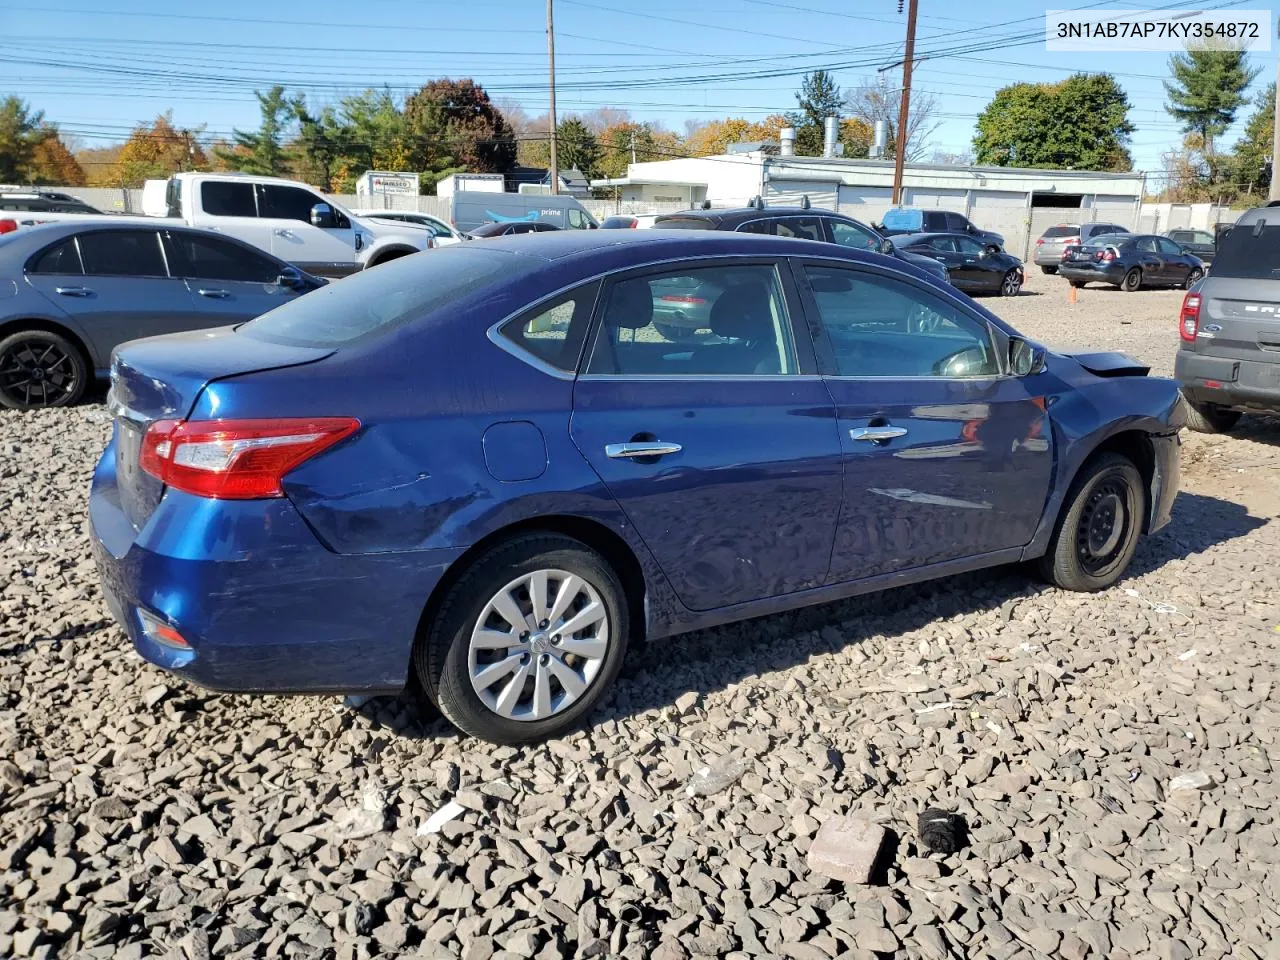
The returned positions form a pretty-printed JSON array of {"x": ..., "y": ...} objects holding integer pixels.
[
  {"x": 1081, "y": 123},
  {"x": 52, "y": 163},
  {"x": 452, "y": 125},
  {"x": 626, "y": 142},
  {"x": 155, "y": 152},
  {"x": 1207, "y": 88},
  {"x": 716, "y": 136}
]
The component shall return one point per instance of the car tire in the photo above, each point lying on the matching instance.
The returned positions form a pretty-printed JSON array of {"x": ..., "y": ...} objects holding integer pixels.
[
  {"x": 1044, "y": 269},
  {"x": 1078, "y": 284},
  {"x": 676, "y": 334},
  {"x": 1010, "y": 284},
  {"x": 61, "y": 365},
  {"x": 1192, "y": 278},
  {"x": 1088, "y": 552},
  {"x": 1210, "y": 418},
  {"x": 1132, "y": 281},
  {"x": 457, "y": 645}
]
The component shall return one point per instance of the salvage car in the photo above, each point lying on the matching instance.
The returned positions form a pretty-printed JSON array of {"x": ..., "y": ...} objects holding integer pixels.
[
  {"x": 1131, "y": 261},
  {"x": 971, "y": 266},
  {"x": 71, "y": 292},
  {"x": 485, "y": 470}
]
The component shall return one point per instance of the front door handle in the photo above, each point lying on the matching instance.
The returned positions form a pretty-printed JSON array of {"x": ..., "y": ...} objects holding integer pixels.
[
  {"x": 214, "y": 294},
  {"x": 282, "y": 232},
  {"x": 629, "y": 451},
  {"x": 74, "y": 291},
  {"x": 877, "y": 434}
]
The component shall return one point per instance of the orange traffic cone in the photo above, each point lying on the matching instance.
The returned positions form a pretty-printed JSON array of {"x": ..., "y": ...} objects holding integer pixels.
[{"x": 1071, "y": 293}]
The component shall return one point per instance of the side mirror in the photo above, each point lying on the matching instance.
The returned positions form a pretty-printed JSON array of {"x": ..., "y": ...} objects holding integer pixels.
[
  {"x": 990, "y": 249},
  {"x": 322, "y": 215},
  {"x": 1025, "y": 357},
  {"x": 290, "y": 278},
  {"x": 887, "y": 248}
]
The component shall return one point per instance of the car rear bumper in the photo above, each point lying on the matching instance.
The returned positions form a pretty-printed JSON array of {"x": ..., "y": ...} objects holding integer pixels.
[
  {"x": 263, "y": 605},
  {"x": 1111, "y": 273},
  {"x": 1048, "y": 258},
  {"x": 1229, "y": 383}
]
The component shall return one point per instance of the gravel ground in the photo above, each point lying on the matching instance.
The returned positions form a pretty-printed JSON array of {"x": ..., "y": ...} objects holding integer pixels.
[{"x": 141, "y": 817}]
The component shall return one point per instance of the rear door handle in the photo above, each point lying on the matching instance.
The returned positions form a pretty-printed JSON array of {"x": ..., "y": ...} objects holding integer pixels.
[
  {"x": 74, "y": 291},
  {"x": 282, "y": 232},
  {"x": 214, "y": 294},
  {"x": 629, "y": 451},
  {"x": 877, "y": 434}
]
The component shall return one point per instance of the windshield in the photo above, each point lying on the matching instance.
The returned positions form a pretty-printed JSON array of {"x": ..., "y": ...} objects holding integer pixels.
[
  {"x": 379, "y": 299},
  {"x": 1248, "y": 253},
  {"x": 685, "y": 223}
]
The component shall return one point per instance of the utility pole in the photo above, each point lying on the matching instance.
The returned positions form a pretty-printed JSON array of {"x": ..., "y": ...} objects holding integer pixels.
[
  {"x": 900, "y": 147},
  {"x": 551, "y": 59},
  {"x": 1275, "y": 136}
]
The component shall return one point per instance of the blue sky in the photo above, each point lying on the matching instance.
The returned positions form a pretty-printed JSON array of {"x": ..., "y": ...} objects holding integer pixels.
[{"x": 99, "y": 69}]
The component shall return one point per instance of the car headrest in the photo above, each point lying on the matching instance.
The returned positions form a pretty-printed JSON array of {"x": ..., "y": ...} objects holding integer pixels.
[
  {"x": 742, "y": 312},
  {"x": 630, "y": 305}
]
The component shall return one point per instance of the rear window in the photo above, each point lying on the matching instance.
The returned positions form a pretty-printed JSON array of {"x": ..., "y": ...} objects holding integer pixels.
[
  {"x": 1054, "y": 232},
  {"x": 1247, "y": 256},
  {"x": 383, "y": 298},
  {"x": 685, "y": 223}
]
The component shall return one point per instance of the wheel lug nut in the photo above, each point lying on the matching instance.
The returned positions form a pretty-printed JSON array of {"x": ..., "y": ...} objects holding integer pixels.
[
  {"x": 556, "y": 639},
  {"x": 545, "y": 659},
  {"x": 542, "y": 624}
]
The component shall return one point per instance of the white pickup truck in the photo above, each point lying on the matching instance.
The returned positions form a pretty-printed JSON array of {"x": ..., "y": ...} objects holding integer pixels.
[{"x": 286, "y": 218}]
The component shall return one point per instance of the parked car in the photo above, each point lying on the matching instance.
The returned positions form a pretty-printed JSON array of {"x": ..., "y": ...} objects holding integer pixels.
[
  {"x": 26, "y": 208},
  {"x": 71, "y": 292},
  {"x": 1131, "y": 261},
  {"x": 902, "y": 220},
  {"x": 804, "y": 223},
  {"x": 291, "y": 220},
  {"x": 629, "y": 221},
  {"x": 486, "y": 230},
  {"x": 1198, "y": 243},
  {"x": 1053, "y": 244},
  {"x": 472, "y": 208},
  {"x": 484, "y": 468},
  {"x": 1229, "y": 353},
  {"x": 973, "y": 267},
  {"x": 441, "y": 232}
]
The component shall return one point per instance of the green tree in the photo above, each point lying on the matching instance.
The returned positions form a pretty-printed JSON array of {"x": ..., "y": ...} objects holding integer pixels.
[
  {"x": 263, "y": 152},
  {"x": 1206, "y": 91},
  {"x": 1080, "y": 123},
  {"x": 1249, "y": 164},
  {"x": 818, "y": 98},
  {"x": 577, "y": 147},
  {"x": 322, "y": 144},
  {"x": 20, "y": 131}
]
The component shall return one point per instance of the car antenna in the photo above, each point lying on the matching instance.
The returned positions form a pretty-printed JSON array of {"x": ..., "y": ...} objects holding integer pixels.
[{"x": 804, "y": 202}]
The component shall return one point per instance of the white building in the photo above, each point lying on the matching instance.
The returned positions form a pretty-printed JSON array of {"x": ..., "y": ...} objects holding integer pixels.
[{"x": 1017, "y": 203}]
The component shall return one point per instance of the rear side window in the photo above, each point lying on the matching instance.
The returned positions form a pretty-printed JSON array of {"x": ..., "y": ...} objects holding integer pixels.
[
  {"x": 553, "y": 331},
  {"x": 61, "y": 258},
  {"x": 935, "y": 221},
  {"x": 1249, "y": 256},
  {"x": 222, "y": 199},
  {"x": 802, "y": 228},
  {"x": 377, "y": 301},
  {"x": 1064, "y": 231},
  {"x": 123, "y": 253},
  {"x": 957, "y": 222}
]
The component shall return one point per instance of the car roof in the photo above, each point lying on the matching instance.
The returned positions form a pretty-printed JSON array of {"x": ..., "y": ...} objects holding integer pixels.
[
  {"x": 740, "y": 215},
  {"x": 34, "y": 237},
  {"x": 1268, "y": 213}
]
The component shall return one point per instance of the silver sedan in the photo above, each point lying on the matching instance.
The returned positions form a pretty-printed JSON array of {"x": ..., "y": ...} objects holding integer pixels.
[{"x": 70, "y": 292}]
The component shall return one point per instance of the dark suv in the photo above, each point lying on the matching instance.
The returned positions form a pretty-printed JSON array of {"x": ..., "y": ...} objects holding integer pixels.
[
  {"x": 914, "y": 220},
  {"x": 804, "y": 223},
  {"x": 1229, "y": 356}
]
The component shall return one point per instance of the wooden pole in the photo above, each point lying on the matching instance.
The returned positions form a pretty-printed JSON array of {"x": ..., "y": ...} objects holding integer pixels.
[
  {"x": 904, "y": 108},
  {"x": 551, "y": 59}
]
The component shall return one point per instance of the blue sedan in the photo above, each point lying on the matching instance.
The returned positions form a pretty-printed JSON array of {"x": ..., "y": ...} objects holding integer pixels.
[{"x": 484, "y": 467}]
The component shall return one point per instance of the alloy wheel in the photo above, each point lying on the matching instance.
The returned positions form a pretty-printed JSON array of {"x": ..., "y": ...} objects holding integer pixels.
[
  {"x": 36, "y": 373},
  {"x": 538, "y": 645},
  {"x": 1011, "y": 284}
]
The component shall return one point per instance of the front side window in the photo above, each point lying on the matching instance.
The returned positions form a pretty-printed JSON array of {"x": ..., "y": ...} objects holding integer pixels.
[
  {"x": 122, "y": 253},
  {"x": 553, "y": 331},
  {"x": 219, "y": 198},
  {"x": 935, "y": 221},
  {"x": 61, "y": 258},
  {"x": 578, "y": 220},
  {"x": 969, "y": 246},
  {"x": 1199, "y": 236},
  {"x": 881, "y": 327},
  {"x": 1168, "y": 247},
  {"x": 707, "y": 321},
  {"x": 943, "y": 244},
  {"x": 291, "y": 203},
  {"x": 852, "y": 235},
  {"x": 957, "y": 222},
  {"x": 213, "y": 258},
  {"x": 1146, "y": 245}
]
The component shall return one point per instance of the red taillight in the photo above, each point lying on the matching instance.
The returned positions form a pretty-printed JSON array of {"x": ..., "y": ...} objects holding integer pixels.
[
  {"x": 8, "y": 226},
  {"x": 236, "y": 459},
  {"x": 1105, "y": 256},
  {"x": 1190, "y": 317},
  {"x": 676, "y": 298},
  {"x": 1040, "y": 242},
  {"x": 634, "y": 224}
]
